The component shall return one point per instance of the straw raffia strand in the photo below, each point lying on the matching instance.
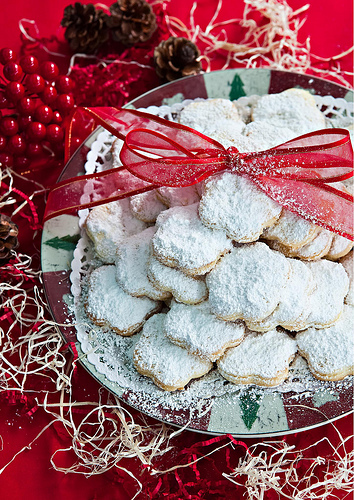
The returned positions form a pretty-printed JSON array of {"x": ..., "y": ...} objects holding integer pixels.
[{"x": 274, "y": 43}]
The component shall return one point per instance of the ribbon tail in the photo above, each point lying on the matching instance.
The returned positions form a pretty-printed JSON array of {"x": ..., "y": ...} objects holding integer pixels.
[
  {"x": 323, "y": 205},
  {"x": 69, "y": 196}
]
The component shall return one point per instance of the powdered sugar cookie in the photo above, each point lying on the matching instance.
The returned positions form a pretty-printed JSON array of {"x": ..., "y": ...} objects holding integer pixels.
[
  {"x": 339, "y": 248},
  {"x": 233, "y": 203},
  {"x": 291, "y": 230},
  {"x": 132, "y": 265},
  {"x": 265, "y": 135},
  {"x": 294, "y": 109},
  {"x": 348, "y": 264},
  {"x": 248, "y": 283},
  {"x": 196, "y": 329},
  {"x": 240, "y": 141},
  {"x": 183, "y": 241},
  {"x": 314, "y": 250},
  {"x": 184, "y": 288},
  {"x": 212, "y": 115},
  {"x": 244, "y": 106},
  {"x": 146, "y": 206},
  {"x": 175, "y": 197},
  {"x": 107, "y": 226},
  {"x": 294, "y": 307},
  {"x": 170, "y": 367},
  {"x": 108, "y": 305},
  {"x": 330, "y": 351},
  {"x": 331, "y": 286},
  {"x": 261, "y": 359}
]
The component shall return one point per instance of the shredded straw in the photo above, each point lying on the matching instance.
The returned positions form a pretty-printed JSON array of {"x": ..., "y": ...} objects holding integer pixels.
[{"x": 273, "y": 43}]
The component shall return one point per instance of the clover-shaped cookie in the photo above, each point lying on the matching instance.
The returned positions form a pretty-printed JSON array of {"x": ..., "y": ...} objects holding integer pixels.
[
  {"x": 170, "y": 367},
  {"x": 262, "y": 359},
  {"x": 233, "y": 203},
  {"x": 107, "y": 225},
  {"x": 329, "y": 351},
  {"x": 183, "y": 241},
  {"x": 108, "y": 305},
  {"x": 195, "y": 328},
  {"x": 132, "y": 266},
  {"x": 248, "y": 283}
]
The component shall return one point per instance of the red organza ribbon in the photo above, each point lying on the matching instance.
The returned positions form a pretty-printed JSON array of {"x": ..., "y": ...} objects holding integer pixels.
[{"x": 297, "y": 174}]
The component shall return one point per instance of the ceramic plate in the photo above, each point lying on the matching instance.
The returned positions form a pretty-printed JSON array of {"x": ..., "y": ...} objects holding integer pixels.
[{"x": 243, "y": 412}]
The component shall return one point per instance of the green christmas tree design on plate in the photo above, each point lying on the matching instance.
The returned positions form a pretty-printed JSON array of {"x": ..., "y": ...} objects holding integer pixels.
[
  {"x": 67, "y": 242},
  {"x": 249, "y": 405}
]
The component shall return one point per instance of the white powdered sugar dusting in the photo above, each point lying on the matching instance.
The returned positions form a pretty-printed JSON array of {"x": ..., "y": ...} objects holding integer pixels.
[
  {"x": 132, "y": 265},
  {"x": 169, "y": 365},
  {"x": 226, "y": 200},
  {"x": 348, "y": 264},
  {"x": 109, "y": 304},
  {"x": 200, "y": 332},
  {"x": 107, "y": 225},
  {"x": 294, "y": 109},
  {"x": 175, "y": 197},
  {"x": 330, "y": 351},
  {"x": 182, "y": 240},
  {"x": 339, "y": 247},
  {"x": 295, "y": 305},
  {"x": 332, "y": 284},
  {"x": 262, "y": 357},
  {"x": 248, "y": 282},
  {"x": 291, "y": 230},
  {"x": 146, "y": 206},
  {"x": 208, "y": 117},
  {"x": 184, "y": 288}
]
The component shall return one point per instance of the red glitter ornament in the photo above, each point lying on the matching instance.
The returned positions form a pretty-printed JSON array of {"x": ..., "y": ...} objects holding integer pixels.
[{"x": 35, "y": 99}]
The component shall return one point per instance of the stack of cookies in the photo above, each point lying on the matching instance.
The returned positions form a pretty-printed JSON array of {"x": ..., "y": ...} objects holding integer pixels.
[{"x": 219, "y": 276}]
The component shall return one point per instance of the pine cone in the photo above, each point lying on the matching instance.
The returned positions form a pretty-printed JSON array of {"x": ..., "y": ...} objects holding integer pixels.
[
  {"x": 175, "y": 58},
  {"x": 86, "y": 27},
  {"x": 131, "y": 21},
  {"x": 8, "y": 237}
]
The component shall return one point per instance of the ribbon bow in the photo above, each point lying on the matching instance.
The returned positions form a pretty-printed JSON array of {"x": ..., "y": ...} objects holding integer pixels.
[{"x": 297, "y": 174}]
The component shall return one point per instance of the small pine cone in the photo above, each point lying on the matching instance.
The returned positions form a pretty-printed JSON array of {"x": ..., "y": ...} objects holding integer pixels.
[
  {"x": 86, "y": 27},
  {"x": 175, "y": 58},
  {"x": 8, "y": 237},
  {"x": 131, "y": 21}
]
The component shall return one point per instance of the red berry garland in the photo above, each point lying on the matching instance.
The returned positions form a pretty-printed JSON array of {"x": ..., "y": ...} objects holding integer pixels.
[{"x": 34, "y": 101}]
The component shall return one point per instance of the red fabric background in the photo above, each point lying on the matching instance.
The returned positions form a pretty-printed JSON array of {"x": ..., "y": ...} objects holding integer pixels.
[{"x": 30, "y": 475}]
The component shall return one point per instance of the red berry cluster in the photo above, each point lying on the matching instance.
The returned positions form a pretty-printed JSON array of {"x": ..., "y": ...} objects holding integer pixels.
[{"x": 34, "y": 100}]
